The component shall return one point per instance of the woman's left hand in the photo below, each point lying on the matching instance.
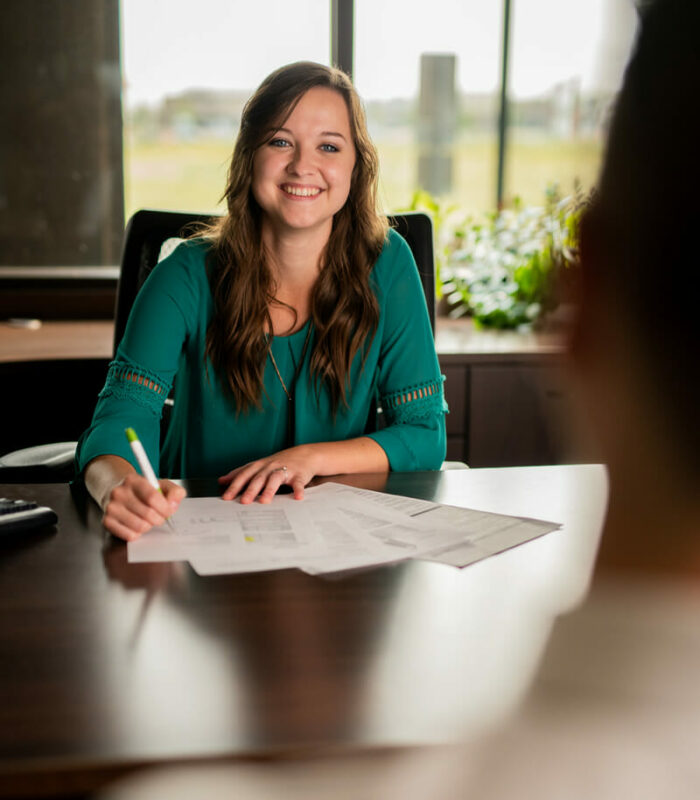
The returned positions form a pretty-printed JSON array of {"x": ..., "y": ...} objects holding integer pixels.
[{"x": 262, "y": 478}]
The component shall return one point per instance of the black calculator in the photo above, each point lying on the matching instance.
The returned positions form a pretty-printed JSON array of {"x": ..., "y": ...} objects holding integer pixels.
[{"x": 24, "y": 515}]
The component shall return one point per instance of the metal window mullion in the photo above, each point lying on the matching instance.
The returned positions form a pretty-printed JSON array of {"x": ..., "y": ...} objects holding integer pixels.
[
  {"x": 342, "y": 34},
  {"x": 503, "y": 111}
]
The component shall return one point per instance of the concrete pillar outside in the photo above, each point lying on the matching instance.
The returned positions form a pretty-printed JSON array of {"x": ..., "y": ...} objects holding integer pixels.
[{"x": 437, "y": 122}]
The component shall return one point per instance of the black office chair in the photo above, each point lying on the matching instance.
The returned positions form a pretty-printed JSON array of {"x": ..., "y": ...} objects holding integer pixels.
[
  {"x": 150, "y": 236},
  {"x": 144, "y": 238}
]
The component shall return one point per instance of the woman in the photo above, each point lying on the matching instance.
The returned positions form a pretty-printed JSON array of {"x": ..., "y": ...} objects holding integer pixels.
[{"x": 278, "y": 327}]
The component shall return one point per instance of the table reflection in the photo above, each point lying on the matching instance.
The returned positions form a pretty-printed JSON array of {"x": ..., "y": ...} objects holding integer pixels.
[{"x": 413, "y": 653}]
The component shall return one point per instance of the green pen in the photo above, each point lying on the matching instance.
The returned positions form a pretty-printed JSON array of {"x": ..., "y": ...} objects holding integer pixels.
[{"x": 144, "y": 463}]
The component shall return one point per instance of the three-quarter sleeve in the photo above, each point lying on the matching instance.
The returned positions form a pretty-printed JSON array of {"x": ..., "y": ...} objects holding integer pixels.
[
  {"x": 142, "y": 373},
  {"x": 409, "y": 380}
]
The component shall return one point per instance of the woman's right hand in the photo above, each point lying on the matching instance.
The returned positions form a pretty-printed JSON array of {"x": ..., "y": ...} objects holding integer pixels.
[
  {"x": 130, "y": 504},
  {"x": 134, "y": 506}
]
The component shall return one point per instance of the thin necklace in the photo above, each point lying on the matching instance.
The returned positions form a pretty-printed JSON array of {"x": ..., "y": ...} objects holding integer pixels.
[
  {"x": 284, "y": 386},
  {"x": 290, "y": 397}
]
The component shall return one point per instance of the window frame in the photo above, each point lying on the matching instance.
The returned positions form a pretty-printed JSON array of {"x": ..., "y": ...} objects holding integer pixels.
[{"x": 85, "y": 292}]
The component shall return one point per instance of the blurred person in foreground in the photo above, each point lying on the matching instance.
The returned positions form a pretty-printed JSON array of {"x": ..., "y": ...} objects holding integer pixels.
[
  {"x": 635, "y": 344},
  {"x": 615, "y": 709}
]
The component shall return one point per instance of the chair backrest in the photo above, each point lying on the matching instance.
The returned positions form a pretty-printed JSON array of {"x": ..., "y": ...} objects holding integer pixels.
[
  {"x": 144, "y": 236},
  {"x": 416, "y": 227},
  {"x": 147, "y": 230}
]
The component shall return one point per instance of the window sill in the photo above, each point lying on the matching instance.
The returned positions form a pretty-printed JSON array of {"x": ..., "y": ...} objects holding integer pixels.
[{"x": 92, "y": 338}]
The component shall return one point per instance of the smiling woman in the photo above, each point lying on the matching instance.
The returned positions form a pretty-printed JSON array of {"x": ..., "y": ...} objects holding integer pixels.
[
  {"x": 301, "y": 176},
  {"x": 279, "y": 327}
]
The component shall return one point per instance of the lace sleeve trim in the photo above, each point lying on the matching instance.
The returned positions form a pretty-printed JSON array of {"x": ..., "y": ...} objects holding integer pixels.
[
  {"x": 138, "y": 385},
  {"x": 415, "y": 403}
]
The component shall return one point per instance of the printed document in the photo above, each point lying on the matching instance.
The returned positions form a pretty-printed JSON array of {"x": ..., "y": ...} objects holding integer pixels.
[{"x": 335, "y": 528}]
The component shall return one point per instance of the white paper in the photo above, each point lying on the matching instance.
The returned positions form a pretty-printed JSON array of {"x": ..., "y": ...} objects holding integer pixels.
[
  {"x": 335, "y": 528},
  {"x": 447, "y": 534}
]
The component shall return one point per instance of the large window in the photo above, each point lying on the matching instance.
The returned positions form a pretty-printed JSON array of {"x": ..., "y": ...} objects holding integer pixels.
[
  {"x": 429, "y": 75},
  {"x": 187, "y": 73},
  {"x": 566, "y": 64},
  {"x": 115, "y": 105}
]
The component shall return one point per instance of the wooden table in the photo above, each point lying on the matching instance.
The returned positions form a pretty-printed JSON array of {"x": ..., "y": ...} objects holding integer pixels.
[{"x": 107, "y": 666}]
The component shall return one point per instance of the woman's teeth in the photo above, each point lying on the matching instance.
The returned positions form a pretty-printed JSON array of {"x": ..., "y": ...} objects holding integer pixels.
[{"x": 298, "y": 191}]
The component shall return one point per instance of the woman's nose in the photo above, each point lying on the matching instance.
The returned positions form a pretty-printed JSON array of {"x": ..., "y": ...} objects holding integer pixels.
[{"x": 301, "y": 161}]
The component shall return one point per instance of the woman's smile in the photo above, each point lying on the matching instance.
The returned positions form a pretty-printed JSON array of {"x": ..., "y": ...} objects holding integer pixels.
[{"x": 297, "y": 191}]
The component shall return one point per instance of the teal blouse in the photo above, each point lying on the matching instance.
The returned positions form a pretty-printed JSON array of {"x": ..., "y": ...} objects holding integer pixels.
[{"x": 163, "y": 349}]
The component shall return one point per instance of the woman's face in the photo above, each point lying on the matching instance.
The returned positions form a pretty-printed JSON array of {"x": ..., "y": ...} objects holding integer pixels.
[{"x": 302, "y": 174}]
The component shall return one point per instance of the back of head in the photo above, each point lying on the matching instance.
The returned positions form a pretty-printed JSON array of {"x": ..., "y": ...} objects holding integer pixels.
[{"x": 639, "y": 238}]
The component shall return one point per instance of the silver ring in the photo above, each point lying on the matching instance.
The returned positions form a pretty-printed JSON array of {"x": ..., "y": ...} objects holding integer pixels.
[{"x": 280, "y": 469}]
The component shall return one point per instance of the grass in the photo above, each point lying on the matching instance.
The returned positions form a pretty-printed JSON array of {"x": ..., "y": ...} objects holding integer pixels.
[
  {"x": 175, "y": 176},
  {"x": 191, "y": 175}
]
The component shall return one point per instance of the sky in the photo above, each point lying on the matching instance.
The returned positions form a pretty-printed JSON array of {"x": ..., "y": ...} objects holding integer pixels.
[{"x": 172, "y": 45}]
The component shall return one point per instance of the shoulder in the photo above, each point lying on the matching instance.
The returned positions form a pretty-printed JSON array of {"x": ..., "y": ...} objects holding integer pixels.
[
  {"x": 395, "y": 249},
  {"x": 189, "y": 256},
  {"x": 185, "y": 266},
  {"x": 395, "y": 261},
  {"x": 180, "y": 279}
]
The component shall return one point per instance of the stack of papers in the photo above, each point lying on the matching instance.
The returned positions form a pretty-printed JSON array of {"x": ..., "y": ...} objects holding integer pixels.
[{"x": 335, "y": 528}]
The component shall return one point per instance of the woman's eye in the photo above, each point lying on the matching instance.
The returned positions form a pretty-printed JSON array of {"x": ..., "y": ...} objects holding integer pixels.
[
  {"x": 277, "y": 142},
  {"x": 329, "y": 148}
]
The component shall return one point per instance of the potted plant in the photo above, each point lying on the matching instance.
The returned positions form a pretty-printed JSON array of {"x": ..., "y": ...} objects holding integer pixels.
[{"x": 507, "y": 269}]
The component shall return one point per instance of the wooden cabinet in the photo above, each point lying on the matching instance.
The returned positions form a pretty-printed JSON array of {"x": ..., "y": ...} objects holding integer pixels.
[
  {"x": 457, "y": 422},
  {"x": 508, "y": 413},
  {"x": 515, "y": 415},
  {"x": 509, "y": 401},
  {"x": 49, "y": 400}
]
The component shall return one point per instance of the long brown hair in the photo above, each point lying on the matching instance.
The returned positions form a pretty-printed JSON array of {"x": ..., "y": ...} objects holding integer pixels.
[{"x": 344, "y": 308}]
